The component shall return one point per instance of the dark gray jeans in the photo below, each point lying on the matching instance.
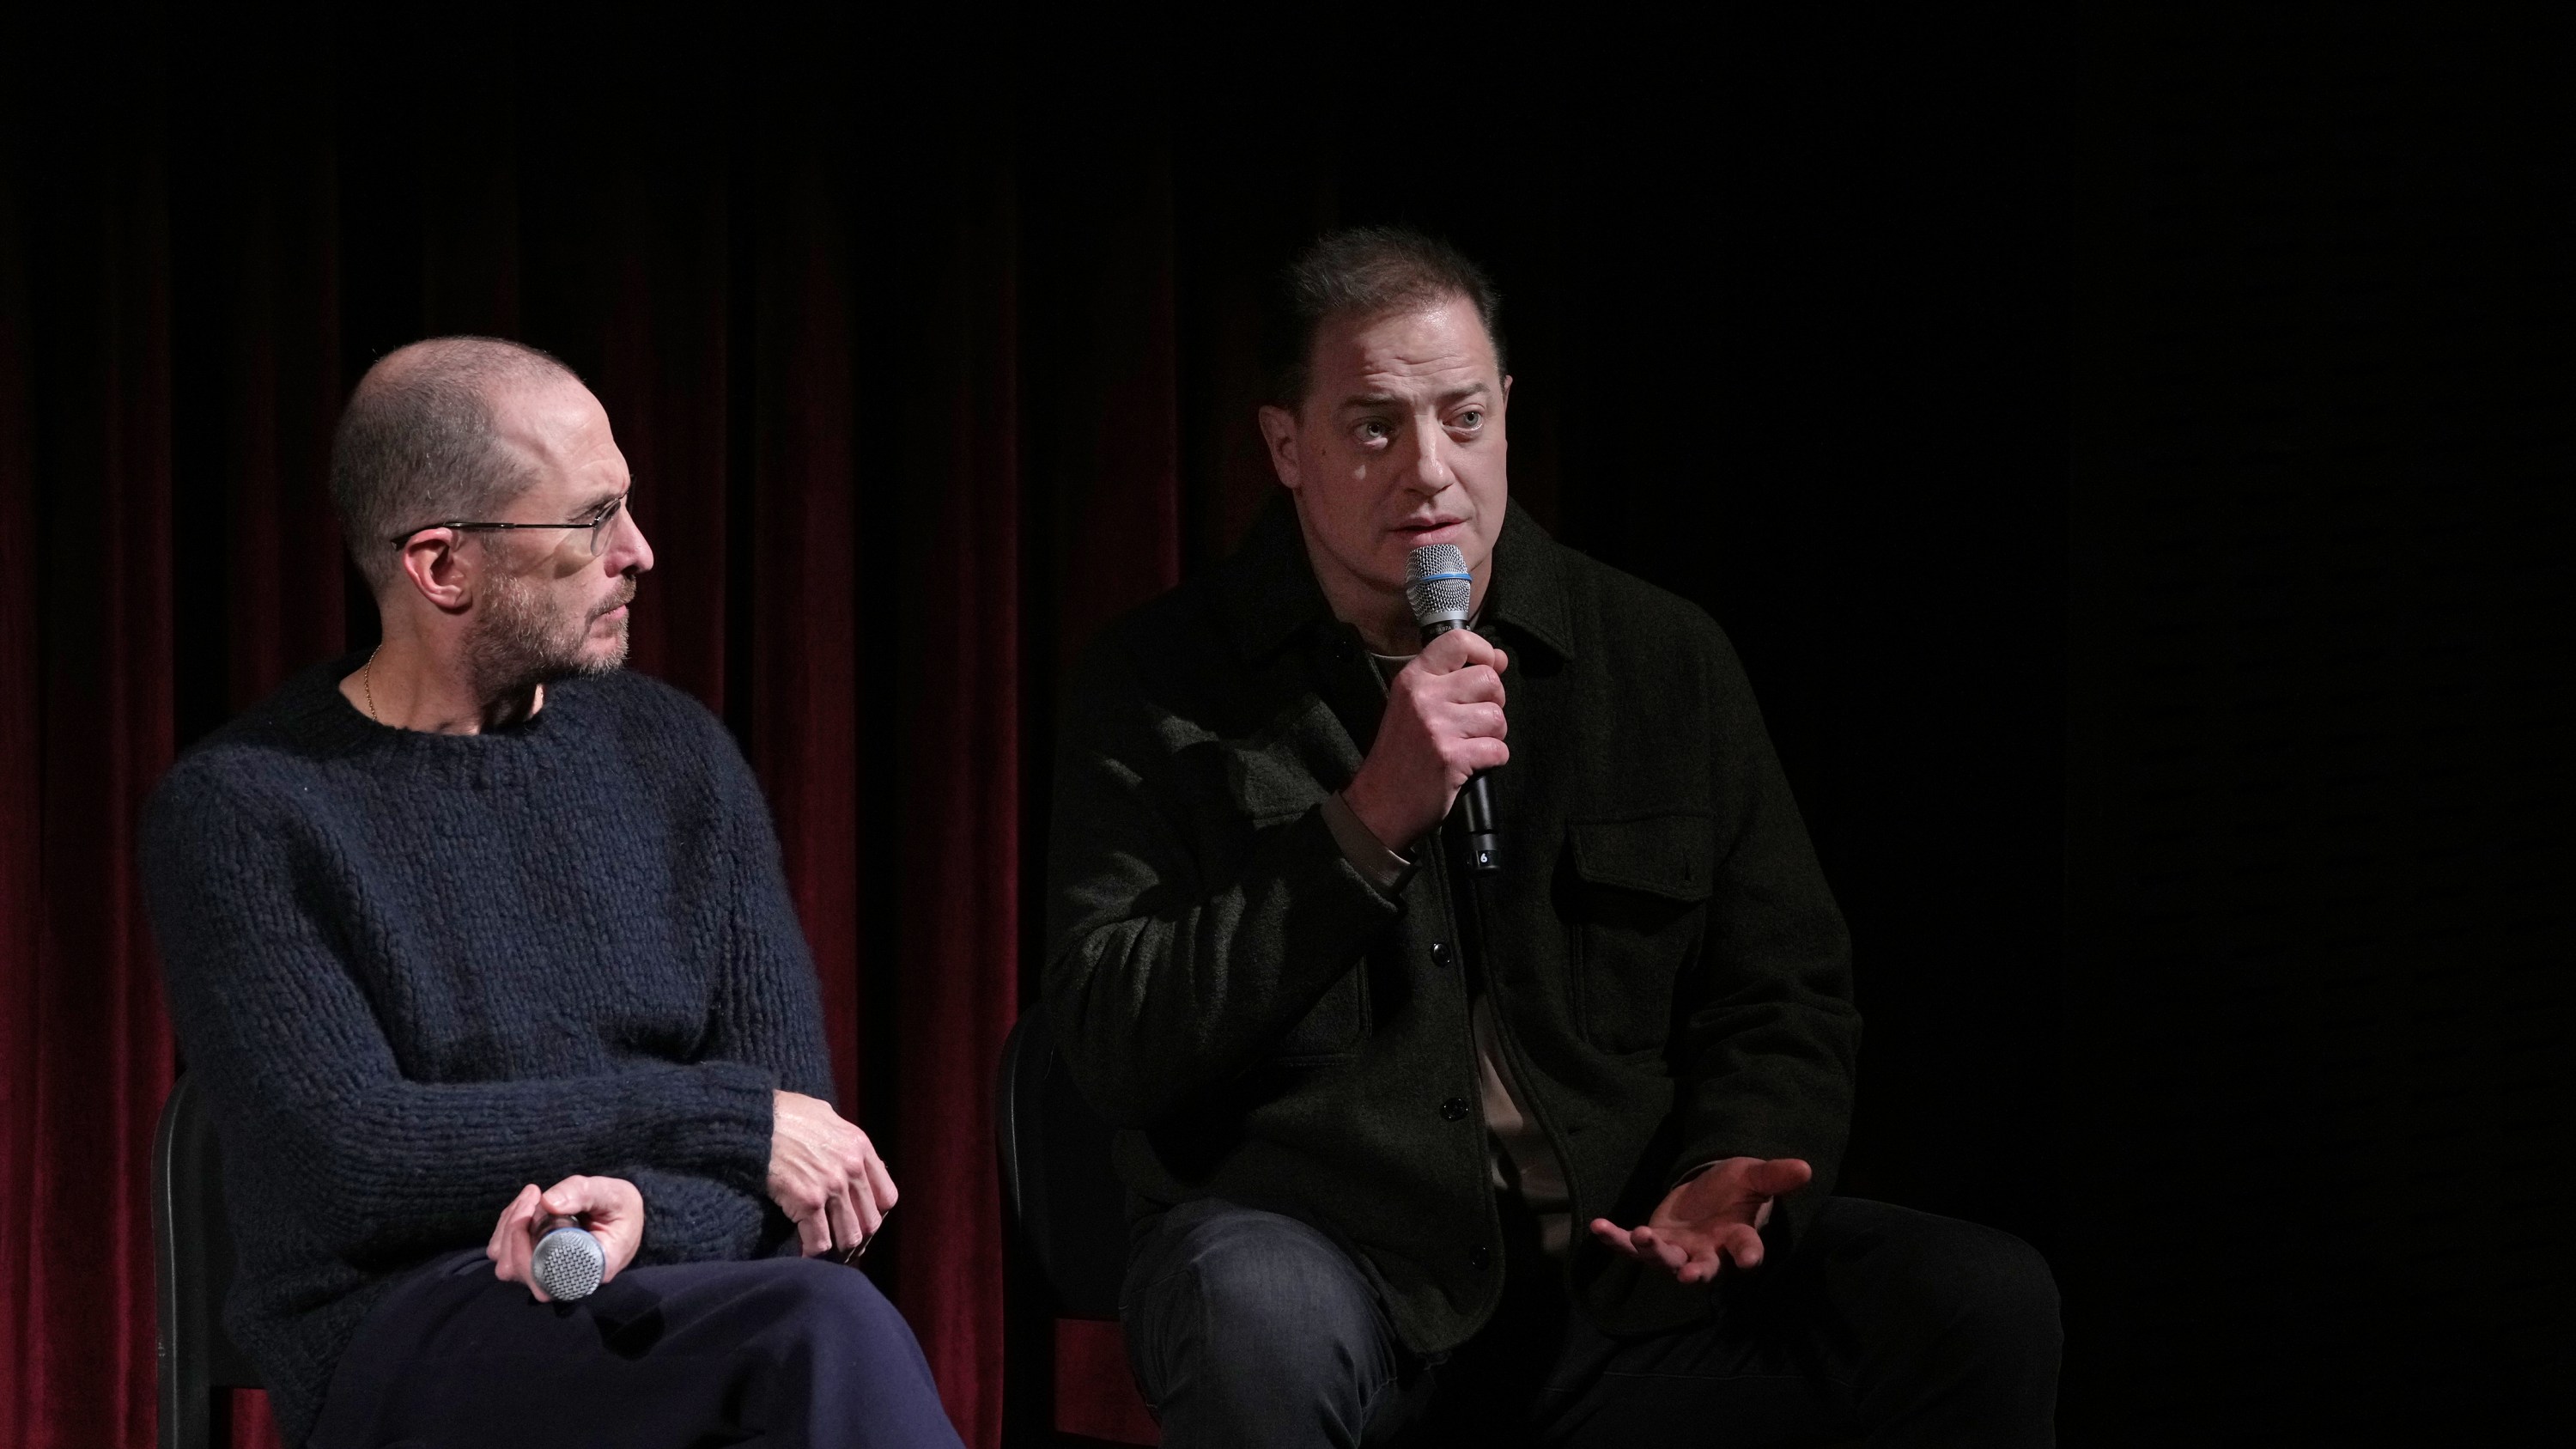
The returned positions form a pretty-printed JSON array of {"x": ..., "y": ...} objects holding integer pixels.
[{"x": 1247, "y": 1328}]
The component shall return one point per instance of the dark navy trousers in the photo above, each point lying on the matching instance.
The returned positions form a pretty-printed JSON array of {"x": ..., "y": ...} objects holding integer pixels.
[
  {"x": 1250, "y": 1329},
  {"x": 776, "y": 1352}
]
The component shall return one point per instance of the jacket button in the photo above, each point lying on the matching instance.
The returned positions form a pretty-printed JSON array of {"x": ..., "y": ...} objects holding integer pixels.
[
  {"x": 1480, "y": 1257},
  {"x": 1454, "y": 1110},
  {"x": 1440, "y": 953}
]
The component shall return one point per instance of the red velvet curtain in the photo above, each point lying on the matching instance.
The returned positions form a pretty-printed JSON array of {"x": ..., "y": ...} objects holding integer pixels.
[{"x": 86, "y": 625}]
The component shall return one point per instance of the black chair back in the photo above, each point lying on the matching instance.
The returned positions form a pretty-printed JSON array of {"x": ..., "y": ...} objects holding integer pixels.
[
  {"x": 1057, "y": 1177},
  {"x": 192, "y": 1266}
]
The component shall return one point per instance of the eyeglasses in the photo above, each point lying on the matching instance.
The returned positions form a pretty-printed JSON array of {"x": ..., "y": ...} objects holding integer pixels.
[{"x": 599, "y": 521}]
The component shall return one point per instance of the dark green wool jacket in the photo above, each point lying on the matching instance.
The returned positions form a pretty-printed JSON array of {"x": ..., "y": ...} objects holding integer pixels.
[{"x": 1670, "y": 974}]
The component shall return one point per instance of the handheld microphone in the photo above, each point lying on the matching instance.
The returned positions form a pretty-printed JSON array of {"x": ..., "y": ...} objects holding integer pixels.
[
  {"x": 1438, "y": 586},
  {"x": 567, "y": 1261}
]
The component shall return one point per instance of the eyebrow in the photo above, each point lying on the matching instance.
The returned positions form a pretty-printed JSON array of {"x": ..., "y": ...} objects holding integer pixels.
[{"x": 1381, "y": 399}]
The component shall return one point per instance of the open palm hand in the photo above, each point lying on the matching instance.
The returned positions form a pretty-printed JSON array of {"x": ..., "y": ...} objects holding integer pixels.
[{"x": 1713, "y": 1218}]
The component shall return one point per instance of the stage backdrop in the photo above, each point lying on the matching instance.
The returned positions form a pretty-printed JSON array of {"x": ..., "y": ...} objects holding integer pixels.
[
  {"x": 2212, "y": 746},
  {"x": 925, "y": 374}
]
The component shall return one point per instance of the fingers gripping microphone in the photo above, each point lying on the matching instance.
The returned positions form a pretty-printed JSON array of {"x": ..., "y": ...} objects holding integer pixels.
[
  {"x": 1437, "y": 584},
  {"x": 567, "y": 1262}
]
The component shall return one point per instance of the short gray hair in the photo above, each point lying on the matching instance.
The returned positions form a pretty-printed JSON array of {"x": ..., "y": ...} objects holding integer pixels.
[
  {"x": 1368, "y": 271},
  {"x": 419, "y": 442}
]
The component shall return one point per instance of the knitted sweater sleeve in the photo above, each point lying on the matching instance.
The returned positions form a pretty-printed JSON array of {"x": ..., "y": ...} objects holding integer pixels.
[
  {"x": 768, "y": 1009},
  {"x": 767, "y": 1014},
  {"x": 382, "y": 1168},
  {"x": 694, "y": 1219}
]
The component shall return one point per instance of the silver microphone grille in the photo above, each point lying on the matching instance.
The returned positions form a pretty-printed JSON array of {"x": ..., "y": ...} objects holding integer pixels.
[
  {"x": 567, "y": 1264},
  {"x": 1436, "y": 584}
]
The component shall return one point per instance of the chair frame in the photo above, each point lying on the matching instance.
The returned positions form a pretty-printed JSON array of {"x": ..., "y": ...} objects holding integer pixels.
[
  {"x": 192, "y": 1268},
  {"x": 1067, "y": 1213}
]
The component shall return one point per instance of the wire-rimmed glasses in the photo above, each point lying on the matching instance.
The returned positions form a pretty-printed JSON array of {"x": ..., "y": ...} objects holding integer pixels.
[{"x": 599, "y": 521}]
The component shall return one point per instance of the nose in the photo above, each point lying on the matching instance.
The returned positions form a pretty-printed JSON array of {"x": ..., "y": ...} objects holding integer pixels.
[
  {"x": 1429, "y": 474},
  {"x": 628, "y": 551}
]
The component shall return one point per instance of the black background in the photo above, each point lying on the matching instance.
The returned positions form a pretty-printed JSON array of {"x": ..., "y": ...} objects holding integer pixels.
[{"x": 2317, "y": 867}]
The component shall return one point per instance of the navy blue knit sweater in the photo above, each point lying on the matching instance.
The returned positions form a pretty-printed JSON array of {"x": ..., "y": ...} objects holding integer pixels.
[{"x": 414, "y": 972}]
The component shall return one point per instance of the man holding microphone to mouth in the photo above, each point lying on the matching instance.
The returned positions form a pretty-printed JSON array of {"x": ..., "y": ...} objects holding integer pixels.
[{"x": 1521, "y": 1126}]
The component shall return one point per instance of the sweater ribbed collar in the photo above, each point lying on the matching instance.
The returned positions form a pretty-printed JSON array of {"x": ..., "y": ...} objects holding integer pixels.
[{"x": 309, "y": 707}]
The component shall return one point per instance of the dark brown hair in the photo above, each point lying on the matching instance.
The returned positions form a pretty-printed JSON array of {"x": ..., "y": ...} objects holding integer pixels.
[{"x": 1367, "y": 271}]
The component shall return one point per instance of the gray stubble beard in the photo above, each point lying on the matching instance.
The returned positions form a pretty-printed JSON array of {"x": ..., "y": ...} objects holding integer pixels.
[{"x": 517, "y": 646}]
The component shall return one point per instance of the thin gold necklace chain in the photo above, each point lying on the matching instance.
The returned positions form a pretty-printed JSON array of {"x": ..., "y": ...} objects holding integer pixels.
[{"x": 368, "y": 682}]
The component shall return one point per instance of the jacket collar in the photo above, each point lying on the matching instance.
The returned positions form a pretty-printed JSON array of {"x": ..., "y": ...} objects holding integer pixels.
[
  {"x": 1271, "y": 596},
  {"x": 1528, "y": 593}
]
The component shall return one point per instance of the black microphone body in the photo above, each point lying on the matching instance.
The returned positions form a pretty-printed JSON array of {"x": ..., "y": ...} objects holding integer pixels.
[
  {"x": 1437, "y": 586},
  {"x": 1483, "y": 852}
]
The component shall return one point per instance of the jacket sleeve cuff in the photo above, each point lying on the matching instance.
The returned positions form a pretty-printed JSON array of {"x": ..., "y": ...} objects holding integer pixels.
[
  {"x": 1379, "y": 866},
  {"x": 1694, "y": 1170}
]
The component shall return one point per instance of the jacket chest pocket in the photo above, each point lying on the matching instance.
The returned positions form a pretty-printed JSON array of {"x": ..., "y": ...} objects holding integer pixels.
[
  {"x": 1635, "y": 903},
  {"x": 1334, "y": 1028}
]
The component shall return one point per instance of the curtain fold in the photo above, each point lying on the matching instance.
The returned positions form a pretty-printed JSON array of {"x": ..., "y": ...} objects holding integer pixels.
[
  {"x": 957, "y": 854},
  {"x": 90, "y": 484},
  {"x": 803, "y": 731},
  {"x": 258, "y": 241},
  {"x": 21, "y": 750}
]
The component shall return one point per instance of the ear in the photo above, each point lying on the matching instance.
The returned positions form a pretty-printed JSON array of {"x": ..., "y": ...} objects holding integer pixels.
[
  {"x": 1279, "y": 431},
  {"x": 432, "y": 564},
  {"x": 1507, "y": 394}
]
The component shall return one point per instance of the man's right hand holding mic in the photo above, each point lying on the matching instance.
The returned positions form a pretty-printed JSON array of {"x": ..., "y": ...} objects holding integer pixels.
[{"x": 1444, "y": 722}]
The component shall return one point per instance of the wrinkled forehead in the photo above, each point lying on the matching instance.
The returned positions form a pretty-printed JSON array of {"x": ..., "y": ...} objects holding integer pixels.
[{"x": 1435, "y": 347}]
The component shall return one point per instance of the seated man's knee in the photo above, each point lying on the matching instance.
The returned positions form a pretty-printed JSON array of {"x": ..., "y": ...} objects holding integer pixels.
[
  {"x": 842, "y": 1288},
  {"x": 824, "y": 1358},
  {"x": 2009, "y": 1289},
  {"x": 1965, "y": 1278},
  {"x": 1254, "y": 1295},
  {"x": 824, "y": 1302},
  {"x": 1946, "y": 1277}
]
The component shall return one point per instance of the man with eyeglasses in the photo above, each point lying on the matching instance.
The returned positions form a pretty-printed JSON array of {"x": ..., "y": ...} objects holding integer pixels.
[{"x": 476, "y": 936}]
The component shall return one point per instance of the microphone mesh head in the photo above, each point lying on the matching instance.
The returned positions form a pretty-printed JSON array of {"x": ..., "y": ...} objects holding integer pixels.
[
  {"x": 1437, "y": 585},
  {"x": 567, "y": 1264}
]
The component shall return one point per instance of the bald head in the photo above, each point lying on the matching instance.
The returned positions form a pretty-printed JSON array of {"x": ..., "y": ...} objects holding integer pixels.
[{"x": 425, "y": 440}]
